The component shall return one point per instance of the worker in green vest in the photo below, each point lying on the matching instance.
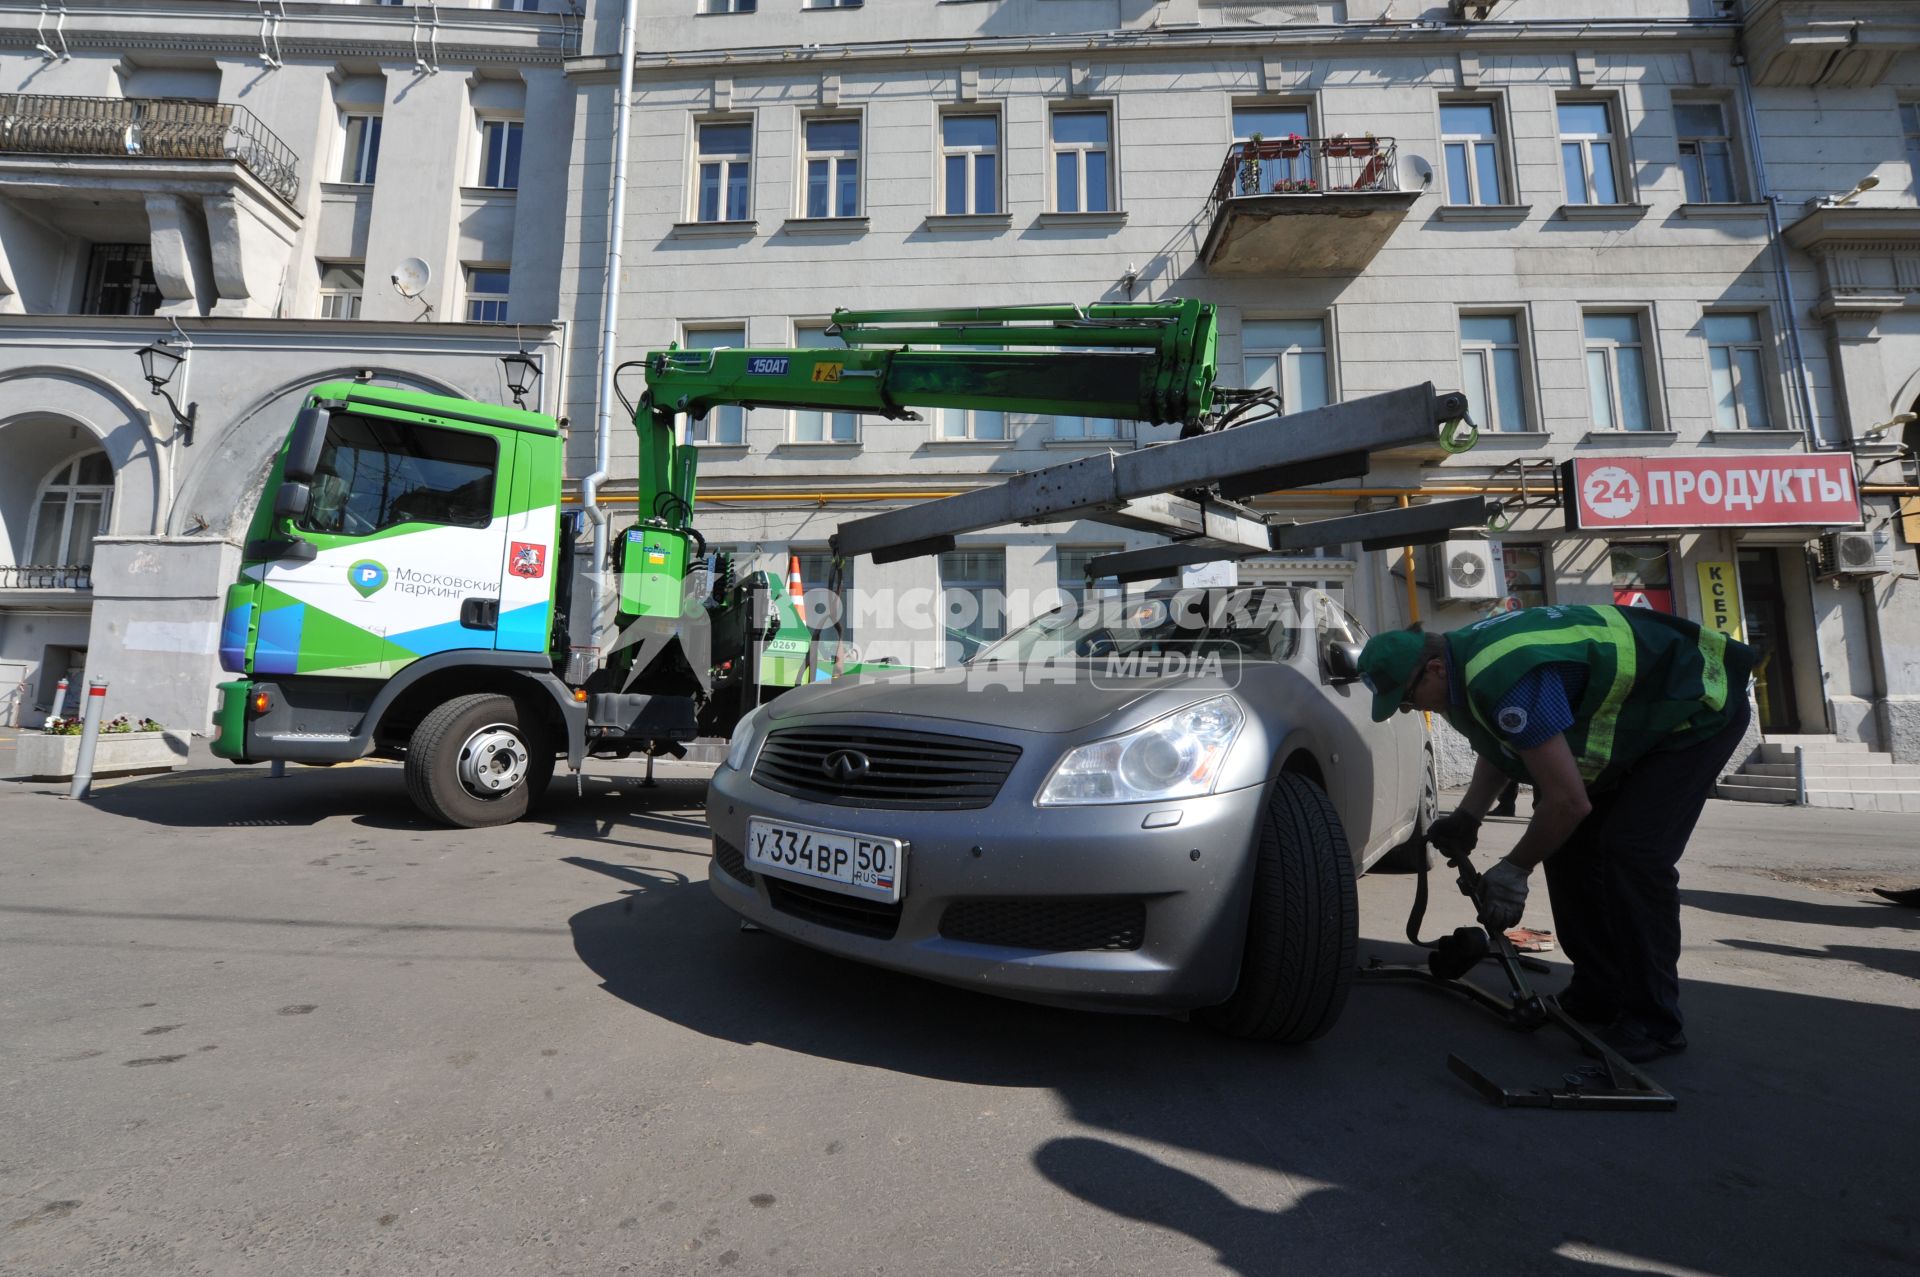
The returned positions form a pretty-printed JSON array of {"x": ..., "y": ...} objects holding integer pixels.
[{"x": 1622, "y": 720}]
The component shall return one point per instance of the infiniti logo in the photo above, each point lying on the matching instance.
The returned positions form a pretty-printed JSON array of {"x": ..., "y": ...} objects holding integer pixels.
[{"x": 845, "y": 765}]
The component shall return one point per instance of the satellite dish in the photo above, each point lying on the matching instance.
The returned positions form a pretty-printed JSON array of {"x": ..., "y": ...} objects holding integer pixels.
[{"x": 411, "y": 277}]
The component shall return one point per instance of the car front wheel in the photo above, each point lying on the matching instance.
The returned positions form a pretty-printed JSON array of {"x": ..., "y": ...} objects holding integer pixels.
[{"x": 1304, "y": 928}]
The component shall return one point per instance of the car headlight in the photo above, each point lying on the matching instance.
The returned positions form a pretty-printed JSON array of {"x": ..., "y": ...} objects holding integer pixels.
[
  {"x": 1179, "y": 755},
  {"x": 740, "y": 744}
]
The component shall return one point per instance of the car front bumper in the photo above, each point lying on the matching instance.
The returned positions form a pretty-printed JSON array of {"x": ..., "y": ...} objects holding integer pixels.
[{"x": 975, "y": 880}]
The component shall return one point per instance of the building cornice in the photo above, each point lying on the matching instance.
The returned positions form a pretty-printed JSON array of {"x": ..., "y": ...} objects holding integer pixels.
[{"x": 1847, "y": 44}]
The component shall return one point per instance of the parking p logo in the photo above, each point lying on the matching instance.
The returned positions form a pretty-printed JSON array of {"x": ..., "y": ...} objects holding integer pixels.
[{"x": 366, "y": 577}]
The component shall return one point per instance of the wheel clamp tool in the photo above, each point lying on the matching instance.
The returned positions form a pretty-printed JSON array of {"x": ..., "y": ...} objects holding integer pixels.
[{"x": 1613, "y": 1083}]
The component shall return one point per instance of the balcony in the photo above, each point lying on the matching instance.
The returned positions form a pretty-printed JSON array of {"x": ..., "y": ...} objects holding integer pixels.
[
  {"x": 46, "y": 587},
  {"x": 148, "y": 128},
  {"x": 1303, "y": 205}
]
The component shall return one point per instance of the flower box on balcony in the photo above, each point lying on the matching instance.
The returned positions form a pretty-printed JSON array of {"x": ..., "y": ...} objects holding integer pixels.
[{"x": 44, "y": 757}]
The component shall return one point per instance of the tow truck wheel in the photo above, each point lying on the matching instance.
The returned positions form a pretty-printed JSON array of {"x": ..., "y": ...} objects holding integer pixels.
[
  {"x": 1304, "y": 929},
  {"x": 473, "y": 762}
]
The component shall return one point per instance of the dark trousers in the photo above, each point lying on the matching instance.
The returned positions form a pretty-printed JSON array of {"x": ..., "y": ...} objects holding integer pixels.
[{"x": 1615, "y": 884}]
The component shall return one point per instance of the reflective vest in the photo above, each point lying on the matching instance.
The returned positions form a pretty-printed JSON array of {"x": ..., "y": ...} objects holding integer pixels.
[{"x": 1654, "y": 681}]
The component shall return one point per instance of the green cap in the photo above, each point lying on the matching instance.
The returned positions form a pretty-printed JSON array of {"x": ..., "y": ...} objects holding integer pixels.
[{"x": 1387, "y": 665}]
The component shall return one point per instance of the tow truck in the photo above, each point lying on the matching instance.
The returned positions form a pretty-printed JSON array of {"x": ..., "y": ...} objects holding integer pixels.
[{"x": 412, "y": 586}]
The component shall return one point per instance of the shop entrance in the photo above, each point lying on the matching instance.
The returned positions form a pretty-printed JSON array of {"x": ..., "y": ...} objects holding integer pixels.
[{"x": 1764, "y": 604}]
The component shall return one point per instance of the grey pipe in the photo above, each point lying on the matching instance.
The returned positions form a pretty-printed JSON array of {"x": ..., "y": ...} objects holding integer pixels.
[{"x": 1782, "y": 275}]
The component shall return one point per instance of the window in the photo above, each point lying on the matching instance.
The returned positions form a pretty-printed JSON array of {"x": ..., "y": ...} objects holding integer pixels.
[
  {"x": 726, "y": 6},
  {"x": 814, "y": 425},
  {"x": 1072, "y": 564},
  {"x": 341, "y": 286},
  {"x": 1288, "y": 357},
  {"x": 1735, "y": 359},
  {"x": 1616, "y": 372},
  {"x": 1706, "y": 153},
  {"x": 1642, "y": 575},
  {"x": 1586, "y": 153},
  {"x": 831, "y": 4},
  {"x": 525, "y": 6},
  {"x": 973, "y": 600},
  {"x": 970, "y": 164},
  {"x": 1525, "y": 569},
  {"x": 1470, "y": 137},
  {"x": 1490, "y": 364},
  {"x": 1285, "y": 161},
  {"x": 1910, "y": 125},
  {"x": 72, "y": 511},
  {"x": 487, "y": 295},
  {"x": 120, "y": 281},
  {"x": 833, "y": 167},
  {"x": 376, "y": 474},
  {"x": 1082, "y": 162},
  {"x": 500, "y": 154},
  {"x": 969, "y": 423},
  {"x": 726, "y": 424},
  {"x": 724, "y": 171},
  {"x": 360, "y": 156}
]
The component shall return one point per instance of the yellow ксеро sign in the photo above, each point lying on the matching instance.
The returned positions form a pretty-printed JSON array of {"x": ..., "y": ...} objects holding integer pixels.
[{"x": 1720, "y": 600}]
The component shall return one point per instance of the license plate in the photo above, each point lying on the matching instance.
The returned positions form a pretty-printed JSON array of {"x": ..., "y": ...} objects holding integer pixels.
[{"x": 857, "y": 864}]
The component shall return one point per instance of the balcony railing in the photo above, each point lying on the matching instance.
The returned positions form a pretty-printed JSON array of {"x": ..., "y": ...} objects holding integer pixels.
[
  {"x": 1306, "y": 166},
  {"x": 155, "y": 128},
  {"x": 43, "y": 576}
]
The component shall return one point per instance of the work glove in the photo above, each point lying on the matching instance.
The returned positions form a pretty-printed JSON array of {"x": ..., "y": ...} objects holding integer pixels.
[
  {"x": 1454, "y": 834},
  {"x": 1503, "y": 895}
]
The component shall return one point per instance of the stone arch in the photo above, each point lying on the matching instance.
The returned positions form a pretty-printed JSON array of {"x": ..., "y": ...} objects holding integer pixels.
[
  {"x": 97, "y": 414},
  {"x": 225, "y": 484}
]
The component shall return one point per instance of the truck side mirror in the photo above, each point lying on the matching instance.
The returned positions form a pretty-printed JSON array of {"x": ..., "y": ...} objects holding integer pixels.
[
  {"x": 292, "y": 500},
  {"x": 303, "y": 448},
  {"x": 1343, "y": 662}
]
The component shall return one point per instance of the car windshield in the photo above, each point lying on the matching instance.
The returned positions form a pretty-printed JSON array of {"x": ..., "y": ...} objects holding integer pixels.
[{"x": 1252, "y": 623}]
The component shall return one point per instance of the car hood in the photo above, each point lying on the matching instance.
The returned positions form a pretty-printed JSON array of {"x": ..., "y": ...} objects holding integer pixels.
[{"x": 988, "y": 696}]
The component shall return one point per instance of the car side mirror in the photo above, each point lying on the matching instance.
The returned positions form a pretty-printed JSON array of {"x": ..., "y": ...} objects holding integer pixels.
[
  {"x": 292, "y": 500},
  {"x": 303, "y": 446},
  {"x": 1343, "y": 662}
]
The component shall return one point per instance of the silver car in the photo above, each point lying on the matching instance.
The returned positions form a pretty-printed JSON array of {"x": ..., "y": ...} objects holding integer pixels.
[{"x": 1160, "y": 803}]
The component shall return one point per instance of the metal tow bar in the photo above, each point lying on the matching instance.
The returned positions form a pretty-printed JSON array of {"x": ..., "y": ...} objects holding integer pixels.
[{"x": 1613, "y": 1083}]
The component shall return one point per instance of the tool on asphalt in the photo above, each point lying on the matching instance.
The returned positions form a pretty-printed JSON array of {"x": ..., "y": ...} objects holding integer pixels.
[{"x": 1613, "y": 1083}]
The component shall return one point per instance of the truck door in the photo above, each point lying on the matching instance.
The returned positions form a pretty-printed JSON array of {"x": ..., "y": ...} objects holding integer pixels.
[{"x": 408, "y": 548}]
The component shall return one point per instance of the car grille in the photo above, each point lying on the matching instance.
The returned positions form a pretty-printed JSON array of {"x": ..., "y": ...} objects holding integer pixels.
[
  {"x": 905, "y": 770},
  {"x": 1056, "y": 925},
  {"x": 832, "y": 909},
  {"x": 728, "y": 857}
]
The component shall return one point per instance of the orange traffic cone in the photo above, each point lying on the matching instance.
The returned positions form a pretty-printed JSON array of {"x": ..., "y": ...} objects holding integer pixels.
[{"x": 794, "y": 587}]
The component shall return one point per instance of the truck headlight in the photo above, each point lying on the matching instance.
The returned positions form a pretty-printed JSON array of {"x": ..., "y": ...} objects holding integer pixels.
[
  {"x": 1179, "y": 755},
  {"x": 740, "y": 744}
]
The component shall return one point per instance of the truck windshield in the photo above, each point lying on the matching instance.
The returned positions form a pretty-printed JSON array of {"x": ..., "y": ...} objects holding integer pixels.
[
  {"x": 376, "y": 474},
  {"x": 1246, "y": 623}
]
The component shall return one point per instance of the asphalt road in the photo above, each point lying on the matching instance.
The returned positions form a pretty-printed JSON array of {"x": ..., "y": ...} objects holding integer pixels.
[{"x": 253, "y": 1026}]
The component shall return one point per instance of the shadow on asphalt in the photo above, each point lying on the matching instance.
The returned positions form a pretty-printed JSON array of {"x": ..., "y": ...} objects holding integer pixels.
[
  {"x": 1788, "y": 909},
  {"x": 1410, "y": 1163}
]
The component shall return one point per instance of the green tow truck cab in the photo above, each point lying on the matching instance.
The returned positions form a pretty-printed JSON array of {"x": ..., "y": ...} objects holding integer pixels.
[{"x": 411, "y": 587}]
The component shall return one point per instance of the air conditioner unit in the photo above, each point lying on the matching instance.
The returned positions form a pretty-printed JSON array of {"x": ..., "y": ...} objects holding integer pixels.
[
  {"x": 1857, "y": 553},
  {"x": 1466, "y": 571}
]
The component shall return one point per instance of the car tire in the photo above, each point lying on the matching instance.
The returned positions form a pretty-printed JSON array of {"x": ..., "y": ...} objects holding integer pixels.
[
  {"x": 483, "y": 732},
  {"x": 1414, "y": 855},
  {"x": 1303, "y": 930}
]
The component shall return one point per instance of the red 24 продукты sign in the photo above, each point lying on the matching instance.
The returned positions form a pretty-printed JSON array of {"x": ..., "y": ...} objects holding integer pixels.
[{"x": 1702, "y": 492}]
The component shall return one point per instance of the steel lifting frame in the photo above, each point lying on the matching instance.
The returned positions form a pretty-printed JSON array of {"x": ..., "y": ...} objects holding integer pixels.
[{"x": 1176, "y": 489}]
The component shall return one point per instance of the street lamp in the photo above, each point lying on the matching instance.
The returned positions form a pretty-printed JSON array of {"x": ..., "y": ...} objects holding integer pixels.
[
  {"x": 1864, "y": 184},
  {"x": 159, "y": 362},
  {"x": 523, "y": 370}
]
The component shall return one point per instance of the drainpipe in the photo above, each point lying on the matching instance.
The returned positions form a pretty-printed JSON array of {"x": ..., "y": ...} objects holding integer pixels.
[
  {"x": 609, "y": 329},
  {"x": 1802, "y": 387}
]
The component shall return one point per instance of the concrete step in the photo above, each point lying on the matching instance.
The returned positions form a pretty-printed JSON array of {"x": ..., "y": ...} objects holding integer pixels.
[
  {"x": 1783, "y": 794},
  {"x": 1864, "y": 800},
  {"x": 1833, "y": 767},
  {"x": 1742, "y": 780},
  {"x": 1805, "y": 738},
  {"x": 1773, "y": 751}
]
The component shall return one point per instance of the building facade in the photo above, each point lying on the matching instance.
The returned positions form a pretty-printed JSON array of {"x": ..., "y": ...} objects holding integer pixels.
[
  {"x": 1637, "y": 238},
  {"x": 264, "y": 198}
]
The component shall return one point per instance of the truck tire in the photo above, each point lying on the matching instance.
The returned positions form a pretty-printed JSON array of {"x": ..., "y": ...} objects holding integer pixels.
[
  {"x": 1413, "y": 855},
  {"x": 1304, "y": 927},
  {"x": 477, "y": 760}
]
